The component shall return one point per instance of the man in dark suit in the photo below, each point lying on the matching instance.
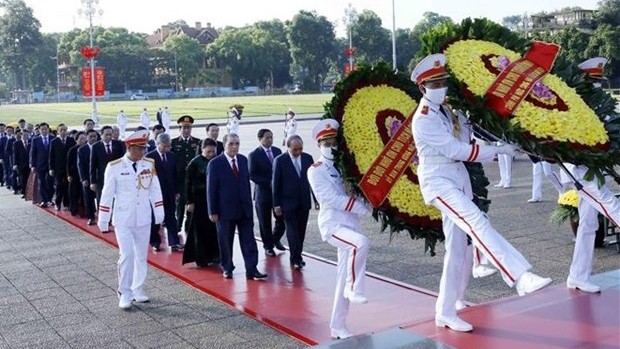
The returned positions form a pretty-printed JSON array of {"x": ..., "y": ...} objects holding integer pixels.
[
  {"x": 58, "y": 165},
  {"x": 3, "y": 140},
  {"x": 230, "y": 206},
  {"x": 20, "y": 160},
  {"x": 213, "y": 132},
  {"x": 39, "y": 162},
  {"x": 185, "y": 147},
  {"x": 291, "y": 195},
  {"x": 83, "y": 158},
  {"x": 152, "y": 143},
  {"x": 165, "y": 165},
  {"x": 7, "y": 151},
  {"x": 261, "y": 170},
  {"x": 73, "y": 175},
  {"x": 104, "y": 151}
]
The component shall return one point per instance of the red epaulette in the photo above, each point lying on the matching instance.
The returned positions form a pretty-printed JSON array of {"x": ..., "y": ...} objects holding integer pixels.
[
  {"x": 424, "y": 110},
  {"x": 318, "y": 163}
]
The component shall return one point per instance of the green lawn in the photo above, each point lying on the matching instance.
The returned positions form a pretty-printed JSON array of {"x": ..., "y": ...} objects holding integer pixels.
[{"x": 199, "y": 108}]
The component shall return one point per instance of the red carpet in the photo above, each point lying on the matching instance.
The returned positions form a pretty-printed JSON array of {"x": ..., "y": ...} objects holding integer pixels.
[{"x": 296, "y": 303}]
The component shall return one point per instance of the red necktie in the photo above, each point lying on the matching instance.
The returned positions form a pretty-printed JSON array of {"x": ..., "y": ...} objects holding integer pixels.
[{"x": 235, "y": 170}]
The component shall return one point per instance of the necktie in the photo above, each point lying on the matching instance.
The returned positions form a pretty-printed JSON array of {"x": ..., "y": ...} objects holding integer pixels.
[
  {"x": 297, "y": 167},
  {"x": 135, "y": 167},
  {"x": 109, "y": 151},
  {"x": 45, "y": 141},
  {"x": 269, "y": 155},
  {"x": 235, "y": 170},
  {"x": 163, "y": 157}
]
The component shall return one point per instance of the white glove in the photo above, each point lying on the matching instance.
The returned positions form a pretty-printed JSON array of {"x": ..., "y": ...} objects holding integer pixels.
[
  {"x": 103, "y": 226},
  {"x": 509, "y": 149}
]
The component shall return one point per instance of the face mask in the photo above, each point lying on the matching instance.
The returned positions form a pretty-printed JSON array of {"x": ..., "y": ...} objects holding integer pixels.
[
  {"x": 326, "y": 152},
  {"x": 437, "y": 96},
  {"x": 597, "y": 85}
]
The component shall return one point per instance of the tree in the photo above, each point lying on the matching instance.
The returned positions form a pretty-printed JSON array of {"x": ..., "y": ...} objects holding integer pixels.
[
  {"x": 19, "y": 38},
  {"x": 42, "y": 72},
  {"x": 372, "y": 41},
  {"x": 312, "y": 41},
  {"x": 234, "y": 51},
  {"x": 605, "y": 42},
  {"x": 270, "y": 38},
  {"x": 608, "y": 12},
  {"x": 188, "y": 56},
  {"x": 405, "y": 49},
  {"x": 429, "y": 21}
]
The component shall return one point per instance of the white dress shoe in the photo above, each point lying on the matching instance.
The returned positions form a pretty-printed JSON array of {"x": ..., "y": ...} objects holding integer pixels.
[
  {"x": 124, "y": 302},
  {"x": 340, "y": 334},
  {"x": 355, "y": 297},
  {"x": 529, "y": 282},
  {"x": 507, "y": 186},
  {"x": 454, "y": 323},
  {"x": 141, "y": 298},
  {"x": 483, "y": 270},
  {"x": 498, "y": 185},
  {"x": 583, "y": 286},
  {"x": 533, "y": 200},
  {"x": 460, "y": 305}
]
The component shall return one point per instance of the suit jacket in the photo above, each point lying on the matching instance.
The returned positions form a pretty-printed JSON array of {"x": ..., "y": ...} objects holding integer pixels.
[
  {"x": 228, "y": 195},
  {"x": 39, "y": 153},
  {"x": 58, "y": 155},
  {"x": 99, "y": 160},
  {"x": 72, "y": 163},
  {"x": 290, "y": 191},
  {"x": 8, "y": 150},
  {"x": 3, "y": 140},
  {"x": 83, "y": 162},
  {"x": 166, "y": 172},
  {"x": 21, "y": 155},
  {"x": 219, "y": 148},
  {"x": 185, "y": 152},
  {"x": 151, "y": 145},
  {"x": 261, "y": 171}
]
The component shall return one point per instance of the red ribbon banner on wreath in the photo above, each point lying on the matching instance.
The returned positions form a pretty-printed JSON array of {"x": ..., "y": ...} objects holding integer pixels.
[
  {"x": 515, "y": 82},
  {"x": 389, "y": 166}
]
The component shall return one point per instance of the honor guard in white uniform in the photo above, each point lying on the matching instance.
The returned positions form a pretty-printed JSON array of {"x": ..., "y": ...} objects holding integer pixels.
[
  {"x": 290, "y": 127},
  {"x": 145, "y": 119},
  {"x": 339, "y": 224},
  {"x": 130, "y": 191},
  {"x": 234, "y": 121},
  {"x": 594, "y": 198},
  {"x": 165, "y": 119},
  {"x": 442, "y": 142},
  {"x": 121, "y": 121}
]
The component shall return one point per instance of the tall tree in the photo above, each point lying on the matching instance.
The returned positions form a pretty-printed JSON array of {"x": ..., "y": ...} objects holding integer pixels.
[
  {"x": 605, "y": 42},
  {"x": 19, "y": 39},
  {"x": 234, "y": 51},
  {"x": 429, "y": 20},
  {"x": 270, "y": 37},
  {"x": 312, "y": 40},
  {"x": 188, "y": 54},
  {"x": 608, "y": 12},
  {"x": 405, "y": 49},
  {"x": 372, "y": 41}
]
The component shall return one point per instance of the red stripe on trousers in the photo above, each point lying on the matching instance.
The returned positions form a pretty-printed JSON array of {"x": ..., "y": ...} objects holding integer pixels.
[
  {"x": 503, "y": 269},
  {"x": 602, "y": 207},
  {"x": 354, "y": 254}
]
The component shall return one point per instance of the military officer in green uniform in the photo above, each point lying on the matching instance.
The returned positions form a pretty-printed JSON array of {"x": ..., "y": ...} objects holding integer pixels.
[{"x": 185, "y": 147}]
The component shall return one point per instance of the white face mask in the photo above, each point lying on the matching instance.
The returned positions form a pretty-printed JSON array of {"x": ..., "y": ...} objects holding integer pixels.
[
  {"x": 326, "y": 152},
  {"x": 597, "y": 85},
  {"x": 437, "y": 96}
]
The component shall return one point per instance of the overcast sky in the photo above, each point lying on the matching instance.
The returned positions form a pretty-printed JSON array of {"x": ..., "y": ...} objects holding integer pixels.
[{"x": 146, "y": 16}]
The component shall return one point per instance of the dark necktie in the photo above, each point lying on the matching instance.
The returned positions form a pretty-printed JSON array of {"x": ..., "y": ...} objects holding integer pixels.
[
  {"x": 235, "y": 170},
  {"x": 163, "y": 157},
  {"x": 135, "y": 167},
  {"x": 45, "y": 141},
  {"x": 269, "y": 155},
  {"x": 108, "y": 150},
  {"x": 297, "y": 168}
]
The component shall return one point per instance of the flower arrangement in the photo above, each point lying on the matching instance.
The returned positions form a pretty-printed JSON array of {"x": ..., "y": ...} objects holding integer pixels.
[{"x": 567, "y": 208}]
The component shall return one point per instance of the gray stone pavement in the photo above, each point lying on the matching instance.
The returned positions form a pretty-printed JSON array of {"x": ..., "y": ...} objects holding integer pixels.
[{"x": 57, "y": 284}]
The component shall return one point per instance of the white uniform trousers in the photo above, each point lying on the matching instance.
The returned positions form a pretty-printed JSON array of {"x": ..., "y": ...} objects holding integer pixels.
[
  {"x": 121, "y": 131},
  {"x": 454, "y": 205},
  {"x": 351, "y": 271},
  {"x": 592, "y": 201},
  {"x": 505, "y": 169},
  {"x": 133, "y": 245},
  {"x": 537, "y": 171},
  {"x": 457, "y": 267}
]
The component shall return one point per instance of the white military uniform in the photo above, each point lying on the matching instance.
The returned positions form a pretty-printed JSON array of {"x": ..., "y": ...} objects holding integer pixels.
[
  {"x": 505, "y": 170},
  {"x": 290, "y": 129},
  {"x": 165, "y": 119},
  {"x": 538, "y": 169},
  {"x": 131, "y": 195},
  {"x": 592, "y": 201},
  {"x": 121, "y": 121},
  {"x": 445, "y": 183},
  {"x": 339, "y": 224},
  {"x": 233, "y": 125},
  {"x": 145, "y": 119}
]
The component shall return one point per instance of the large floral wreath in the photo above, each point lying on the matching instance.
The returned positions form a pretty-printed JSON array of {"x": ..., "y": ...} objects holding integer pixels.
[{"x": 553, "y": 120}]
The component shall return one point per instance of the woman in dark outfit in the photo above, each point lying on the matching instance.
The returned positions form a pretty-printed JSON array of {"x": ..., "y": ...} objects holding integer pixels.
[{"x": 202, "y": 245}]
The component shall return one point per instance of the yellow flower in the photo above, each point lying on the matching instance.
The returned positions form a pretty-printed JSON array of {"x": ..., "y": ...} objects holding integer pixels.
[
  {"x": 577, "y": 124},
  {"x": 569, "y": 198}
]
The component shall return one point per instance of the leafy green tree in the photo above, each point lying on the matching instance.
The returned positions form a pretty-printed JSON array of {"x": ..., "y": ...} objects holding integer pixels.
[
  {"x": 234, "y": 51},
  {"x": 429, "y": 21},
  {"x": 274, "y": 54},
  {"x": 605, "y": 42},
  {"x": 372, "y": 41},
  {"x": 42, "y": 72},
  {"x": 189, "y": 56},
  {"x": 312, "y": 41},
  {"x": 405, "y": 49},
  {"x": 608, "y": 12},
  {"x": 19, "y": 39}
]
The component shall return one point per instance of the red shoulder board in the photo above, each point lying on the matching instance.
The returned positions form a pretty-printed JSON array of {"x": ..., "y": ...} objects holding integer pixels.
[
  {"x": 316, "y": 164},
  {"x": 424, "y": 110}
]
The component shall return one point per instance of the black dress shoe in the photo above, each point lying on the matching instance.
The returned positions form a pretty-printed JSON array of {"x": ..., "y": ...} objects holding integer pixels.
[
  {"x": 227, "y": 275},
  {"x": 91, "y": 222},
  {"x": 269, "y": 252},
  {"x": 42, "y": 205},
  {"x": 156, "y": 248},
  {"x": 257, "y": 275},
  {"x": 296, "y": 266},
  {"x": 279, "y": 246}
]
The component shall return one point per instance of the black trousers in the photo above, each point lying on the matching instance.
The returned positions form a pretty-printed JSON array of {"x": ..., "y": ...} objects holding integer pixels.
[
  {"x": 296, "y": 222},
  {"x": 75, "y": 197},
  {"x": 61, "y": 189},
  {"x": 264, "y": 214},
  {"x": 89, "y": 202},
  {"x": 46, "y": 185}
]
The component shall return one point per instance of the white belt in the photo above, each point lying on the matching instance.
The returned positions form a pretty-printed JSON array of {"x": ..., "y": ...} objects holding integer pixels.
[{"x": 436, "y": 160}]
